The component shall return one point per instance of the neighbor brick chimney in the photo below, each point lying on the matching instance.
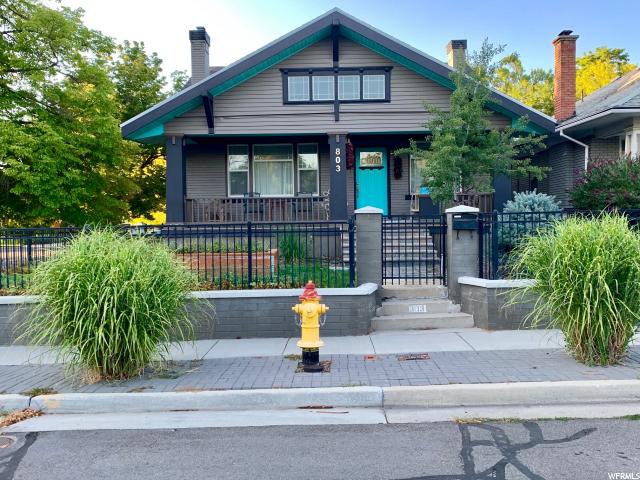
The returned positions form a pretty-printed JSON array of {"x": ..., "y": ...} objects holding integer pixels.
[
  {"x": 564, "y": 83},
  {"x": 456, "y": 52},
  {"x": 200, "y": 42}
]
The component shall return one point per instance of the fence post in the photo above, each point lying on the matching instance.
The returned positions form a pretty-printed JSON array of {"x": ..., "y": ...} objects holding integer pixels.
[
  {"x": 249, "y": 256},
  {"x": 480, "y": 245},
  {"x": 495, "y": 259},
  {"x": 462, "y": 247},
  {"x": 352, "y": 252},
  {"x": 369, "y": 245}
]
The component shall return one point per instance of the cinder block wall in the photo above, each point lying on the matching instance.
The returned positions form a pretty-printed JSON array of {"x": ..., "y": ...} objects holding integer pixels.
[
  {"x": 250, "y": 315},
  {"x": 491, "y": 308}
]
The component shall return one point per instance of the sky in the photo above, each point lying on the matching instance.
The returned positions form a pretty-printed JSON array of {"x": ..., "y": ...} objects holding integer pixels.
[{"x": 238, "y": 27}]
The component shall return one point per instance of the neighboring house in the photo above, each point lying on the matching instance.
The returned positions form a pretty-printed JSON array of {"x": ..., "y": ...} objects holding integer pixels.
[
  {"x": 605, "y": 124},
  {"x": 305, "y": 127}
]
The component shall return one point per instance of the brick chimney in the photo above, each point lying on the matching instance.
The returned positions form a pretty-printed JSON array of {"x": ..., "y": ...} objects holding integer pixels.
[
  {"x": 564, "y": 83},
  {"x": 456, "y": 53},
  {"x": 200, "y": 42}
]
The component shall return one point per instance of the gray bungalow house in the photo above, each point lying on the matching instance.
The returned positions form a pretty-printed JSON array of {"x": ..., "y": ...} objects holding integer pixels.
[
  {"x": 305, "y": 127},
  {"x": 603, "y": 125}
]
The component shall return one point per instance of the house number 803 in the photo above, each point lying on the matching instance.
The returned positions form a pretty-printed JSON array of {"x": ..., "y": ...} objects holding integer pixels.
[{"x": 338, "y": 159}]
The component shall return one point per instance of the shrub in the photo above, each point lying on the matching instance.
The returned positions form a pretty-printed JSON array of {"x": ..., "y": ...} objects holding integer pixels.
[
  {"x": 110, "y": 302},
  {"x": 586, "y": 274},
  {"x": 528, "y": 211},
  {"x": 292, "y": 248},
  {"x": 608, "y": 184}
]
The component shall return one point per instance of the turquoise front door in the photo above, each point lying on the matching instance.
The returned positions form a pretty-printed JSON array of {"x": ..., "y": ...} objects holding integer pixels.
[{"x": 371, "y": 178}]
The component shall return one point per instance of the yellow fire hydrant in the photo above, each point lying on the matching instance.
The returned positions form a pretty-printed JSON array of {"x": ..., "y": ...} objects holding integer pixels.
[{"x": 310, "y": 311}]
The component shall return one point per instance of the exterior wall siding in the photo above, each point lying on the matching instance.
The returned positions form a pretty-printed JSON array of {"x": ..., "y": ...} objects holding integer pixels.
[
  {"x": 256, "y": 106},
  {"x": 206, "y": 173},
  {"x": 399, "y": 188}
]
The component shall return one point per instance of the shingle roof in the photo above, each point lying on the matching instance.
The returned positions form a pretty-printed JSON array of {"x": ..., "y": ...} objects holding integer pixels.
[{"x": 623, "y": 92}]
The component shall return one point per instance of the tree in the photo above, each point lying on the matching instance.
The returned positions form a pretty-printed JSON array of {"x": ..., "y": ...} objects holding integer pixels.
[
  {"x": 64, "y": 90},
  {"x": 534, "y": 88},
  {"x": 61, "y": 155},
  {"x": 465, "y": 151},
  {"x": 598, "y": 68},
  {"x": 139, "y": 84}
]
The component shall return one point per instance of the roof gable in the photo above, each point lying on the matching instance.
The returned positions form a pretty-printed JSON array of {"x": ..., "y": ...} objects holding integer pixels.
[{"x": 149, "y": 125}]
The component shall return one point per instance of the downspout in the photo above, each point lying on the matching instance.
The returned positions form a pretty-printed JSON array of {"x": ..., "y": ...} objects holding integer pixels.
[{"x": 584, "y": 145}]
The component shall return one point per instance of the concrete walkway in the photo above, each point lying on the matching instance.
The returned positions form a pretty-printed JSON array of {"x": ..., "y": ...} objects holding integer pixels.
[{"x": 378, "y": 343}]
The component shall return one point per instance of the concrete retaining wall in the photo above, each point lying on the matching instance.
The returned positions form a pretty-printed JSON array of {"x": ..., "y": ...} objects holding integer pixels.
[
  {"x": 246, "y": 313},
  {"x": 488, "y": 302}
]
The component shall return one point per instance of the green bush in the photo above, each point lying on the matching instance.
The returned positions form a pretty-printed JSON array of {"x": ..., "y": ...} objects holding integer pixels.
[
  {"x": 292, "y": 248},
  {"x": 608, "y": 184},
  {"x": 586, "y": 274},
  {"x": 527, "y": 212},
  {"x": 110, "y": 302}
]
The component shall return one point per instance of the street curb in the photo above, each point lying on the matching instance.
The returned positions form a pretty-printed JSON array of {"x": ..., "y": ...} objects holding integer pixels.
[
  {"x": 10, "y": 402},
  {"x": 432, "y": 396},
  {"x": 208, "y": 400},
  {"x": 524, "y": 393}
]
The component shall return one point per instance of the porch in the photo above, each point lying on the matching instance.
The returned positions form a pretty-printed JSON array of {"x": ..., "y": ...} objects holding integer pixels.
[{"x": 296, "y": 178}]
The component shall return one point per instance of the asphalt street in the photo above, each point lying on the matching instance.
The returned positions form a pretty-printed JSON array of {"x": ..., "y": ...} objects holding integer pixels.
[{"x": 543, "y": 449}]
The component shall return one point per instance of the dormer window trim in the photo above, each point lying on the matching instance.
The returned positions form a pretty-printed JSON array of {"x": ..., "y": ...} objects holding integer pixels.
[{"x": 366, "y": 94}]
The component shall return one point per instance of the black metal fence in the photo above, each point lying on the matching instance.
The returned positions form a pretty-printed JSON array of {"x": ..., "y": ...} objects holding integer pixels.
[
  {"x": 413, "y": 249},
  {"x": 224, "y": 256},
  {"x": 499, "y": 233}
]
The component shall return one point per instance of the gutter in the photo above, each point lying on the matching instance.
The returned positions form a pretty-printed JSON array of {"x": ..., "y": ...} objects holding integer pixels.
[
  {"x": 584, "y": 145},
  {"x": 596, "y": 116}
]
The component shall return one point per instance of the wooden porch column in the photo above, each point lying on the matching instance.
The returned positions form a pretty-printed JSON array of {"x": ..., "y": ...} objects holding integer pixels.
[
  {"x": 176, "y": 181},
  {"x": 338, "y": 176}
]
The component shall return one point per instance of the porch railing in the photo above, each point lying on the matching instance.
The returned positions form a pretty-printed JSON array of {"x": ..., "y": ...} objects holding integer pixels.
[
  {"x": 256, "y": 209},
  {"x": 482, "y": 200}
]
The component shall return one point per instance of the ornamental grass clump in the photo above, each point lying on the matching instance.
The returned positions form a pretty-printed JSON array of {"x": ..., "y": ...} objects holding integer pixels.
[
  {"x": 586, "y": 274},
  {"x": 110, "y": 303}
]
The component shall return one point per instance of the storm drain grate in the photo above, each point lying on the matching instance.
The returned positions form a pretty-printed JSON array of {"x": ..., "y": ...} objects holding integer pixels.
[{"x": 413, "y": 356}]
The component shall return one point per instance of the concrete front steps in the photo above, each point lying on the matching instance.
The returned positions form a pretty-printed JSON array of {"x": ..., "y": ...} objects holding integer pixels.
[{"x": 418, "y": 307}]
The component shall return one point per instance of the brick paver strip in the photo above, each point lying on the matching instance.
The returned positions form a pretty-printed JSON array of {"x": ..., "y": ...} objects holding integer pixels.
[{"x": 346, "y": 370}]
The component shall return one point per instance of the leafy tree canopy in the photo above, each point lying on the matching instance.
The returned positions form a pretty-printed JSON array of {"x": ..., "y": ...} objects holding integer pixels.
[
  {"x": 534, "y": 88},
  {"x": 598, "y": 68},
  {"x": 64, "y": 90},
  {"x": 465, "y": 151}
]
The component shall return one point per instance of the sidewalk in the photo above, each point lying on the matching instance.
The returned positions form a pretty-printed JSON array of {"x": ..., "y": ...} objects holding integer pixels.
[{"x": 468, "y": 356}]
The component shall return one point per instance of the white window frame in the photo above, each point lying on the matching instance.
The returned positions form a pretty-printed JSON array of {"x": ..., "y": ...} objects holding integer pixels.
[
  {"x": 293, "y": 173},
  {"x": 411, "y": 173},
  {"x": 305, "y": 77},
  {"x": 331, "y": 83},
  {"x": 384, "y": 86},
  {"x": 317, "y": 169},
  {"x": 229, "y": 169},
  {"x": 358, "y": 97}
]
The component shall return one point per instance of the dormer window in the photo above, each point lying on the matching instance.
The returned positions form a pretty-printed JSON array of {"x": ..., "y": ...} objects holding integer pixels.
[{"x": 318, "y": 85}]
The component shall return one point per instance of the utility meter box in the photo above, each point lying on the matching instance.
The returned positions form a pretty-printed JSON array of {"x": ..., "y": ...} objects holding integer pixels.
[{"x": 465, "y": 221}]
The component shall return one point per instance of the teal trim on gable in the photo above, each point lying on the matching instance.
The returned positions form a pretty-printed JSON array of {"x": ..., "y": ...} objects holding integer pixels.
[
  {"x": 151, "y": 131},
  {"x": 271, "y": 61},
  {"x": 385, "y": 52}
]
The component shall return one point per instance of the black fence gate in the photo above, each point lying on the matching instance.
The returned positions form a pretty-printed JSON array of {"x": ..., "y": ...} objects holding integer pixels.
[{"x": 414, "y": 249}]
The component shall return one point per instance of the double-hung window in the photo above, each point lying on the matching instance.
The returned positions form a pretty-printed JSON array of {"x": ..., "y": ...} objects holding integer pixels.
[
  {"x": 273, "y": 170},
  {"x": 308, "y": 168},
  {"x": 238, "y": 169}
]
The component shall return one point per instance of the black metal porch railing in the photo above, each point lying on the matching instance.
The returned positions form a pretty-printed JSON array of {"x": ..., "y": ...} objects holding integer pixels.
[
  {"x": 257, "y": 209},
  {"x": 413, "y": 249},
  {"x": 499, "y": 233},
  {"x": 223, "y": 256}
]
